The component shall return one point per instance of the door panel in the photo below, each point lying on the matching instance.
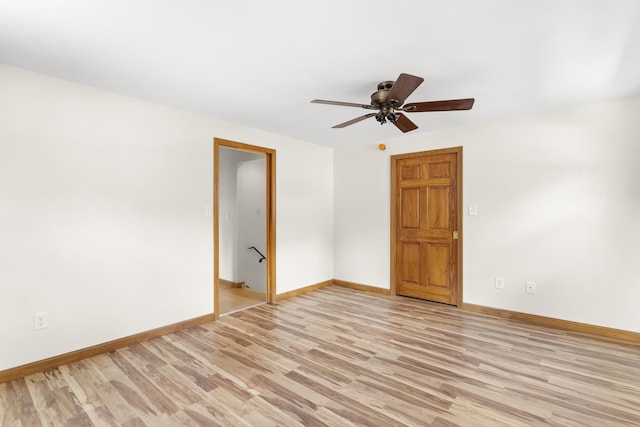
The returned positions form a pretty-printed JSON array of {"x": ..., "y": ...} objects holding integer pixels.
[
  {"x": 437, "y": 265},
  {"x": 410, "y": 200},
  {"x": 439, "y": 170},
  {"x": 437, "y": 216},
  {"x": 410, "y": 259},
  {"x": 425, "y": 217}
]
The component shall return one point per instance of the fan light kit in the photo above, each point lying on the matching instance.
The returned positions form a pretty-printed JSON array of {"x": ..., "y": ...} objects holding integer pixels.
[{"x": 389, "y": 100}]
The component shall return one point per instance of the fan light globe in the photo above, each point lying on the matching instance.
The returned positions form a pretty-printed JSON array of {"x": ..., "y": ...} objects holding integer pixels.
[{"x": 382, "y": 147}]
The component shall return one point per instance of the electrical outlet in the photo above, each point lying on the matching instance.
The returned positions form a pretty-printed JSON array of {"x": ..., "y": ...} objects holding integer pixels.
[
  {"x": 40, "y": 320},
  {"x": 530, "y": 287},
  {"x": 499, "y": 282}
]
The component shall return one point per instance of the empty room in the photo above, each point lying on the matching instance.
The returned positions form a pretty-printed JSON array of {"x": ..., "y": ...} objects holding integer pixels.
[{"x": 358, "y": 213}]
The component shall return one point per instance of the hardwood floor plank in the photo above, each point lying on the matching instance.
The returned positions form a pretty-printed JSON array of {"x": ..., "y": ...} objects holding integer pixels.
[
  {"x": 4, "y": 403},
  {"x": 343, "y": 404},
  {"x": 102, "y": 416},
  {"x": 202, "y": 418},
  {"x": 237, "y": 298},
  {"x": 298, "y": 406},
  {"x": 21, "y": 410},
  {"x": 71, "y": 410},
  {"x": 341, "y": 357},
  {"x": 44, "y": 400},
  {"x": 135, "y": 422},
  {"x": 161, "y": 402},
  {"x": 114, "y": 407}
]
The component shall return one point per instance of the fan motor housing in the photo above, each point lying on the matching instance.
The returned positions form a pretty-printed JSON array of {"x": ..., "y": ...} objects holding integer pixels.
[
  {"x": 386, "y": 85},
  {"x": 378, "y": 97}
]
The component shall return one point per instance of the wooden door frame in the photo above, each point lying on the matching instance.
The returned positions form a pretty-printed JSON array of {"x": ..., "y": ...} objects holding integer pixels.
[
  {"x": 270, "y": 155},
  {"x": 394, "y": 194}
]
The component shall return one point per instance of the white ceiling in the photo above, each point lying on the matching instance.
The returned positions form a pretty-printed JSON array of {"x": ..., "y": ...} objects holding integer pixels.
[{"x": 259, "y": 63}]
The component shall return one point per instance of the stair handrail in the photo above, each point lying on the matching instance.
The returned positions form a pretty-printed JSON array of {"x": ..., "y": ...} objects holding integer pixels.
[{"x": 261, "y": 254}]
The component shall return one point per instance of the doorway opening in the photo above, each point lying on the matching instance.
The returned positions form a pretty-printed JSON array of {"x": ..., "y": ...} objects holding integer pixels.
[{"x": 244, "y": 226}]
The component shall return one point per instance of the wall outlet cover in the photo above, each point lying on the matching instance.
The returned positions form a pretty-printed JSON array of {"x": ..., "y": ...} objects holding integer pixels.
[
  {"x": 530, "y": 287},
  {"x": 40, "y": 320}
]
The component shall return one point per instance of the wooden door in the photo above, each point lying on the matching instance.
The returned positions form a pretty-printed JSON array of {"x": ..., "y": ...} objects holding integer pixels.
[{"x": 426, "y": 196}]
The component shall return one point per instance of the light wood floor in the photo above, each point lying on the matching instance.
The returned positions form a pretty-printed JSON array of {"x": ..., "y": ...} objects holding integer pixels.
[
  {"x": 339, "y": 357},
  {"x": 234, "y": 299}
]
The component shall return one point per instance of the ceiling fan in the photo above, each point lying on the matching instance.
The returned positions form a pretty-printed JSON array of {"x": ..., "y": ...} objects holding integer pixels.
[{"x": 389, "y": 100}]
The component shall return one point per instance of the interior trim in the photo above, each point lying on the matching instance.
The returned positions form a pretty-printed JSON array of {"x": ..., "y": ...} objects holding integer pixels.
[
  {"x": 74, "y": 356},
  {"x": 551, "y": 322},
  {"x": 361, "y": 287},
  {"x": 556, "y": 323},
  {"x": 304, "y": 290},
  {"x": 337, "y": 282},
  {"x": 232, "y": 284}
]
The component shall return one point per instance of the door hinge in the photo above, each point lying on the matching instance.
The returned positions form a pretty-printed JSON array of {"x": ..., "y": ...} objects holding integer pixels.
[{"x": 455, "y": 235}]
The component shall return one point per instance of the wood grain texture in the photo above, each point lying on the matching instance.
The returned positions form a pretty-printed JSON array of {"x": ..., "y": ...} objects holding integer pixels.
[
  {"x": 426, "y": 200},
  {"x": 52, "y": 362},
  {"x": 342, "y": 357},
  {"x": 235, "y": 298}
]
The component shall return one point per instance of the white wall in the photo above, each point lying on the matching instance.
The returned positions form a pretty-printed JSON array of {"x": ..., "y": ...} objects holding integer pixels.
[
  {"x": 305, "y": 231},
  {"x": 252, "y": 223},
  {"x": 228, "y": 200},
  {"x": 102, "y": 214},
  {"x": 558, "y": 199}
]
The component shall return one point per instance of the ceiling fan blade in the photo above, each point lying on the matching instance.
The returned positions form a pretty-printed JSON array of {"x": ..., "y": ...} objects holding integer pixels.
[
  {"x": 344, "y": 104},
  {"x": 356, "y": 120},
  {"x": 402, "y": 88},
  {"x": 451, "y": 104},
  {"x": 404, "y": 124}
]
